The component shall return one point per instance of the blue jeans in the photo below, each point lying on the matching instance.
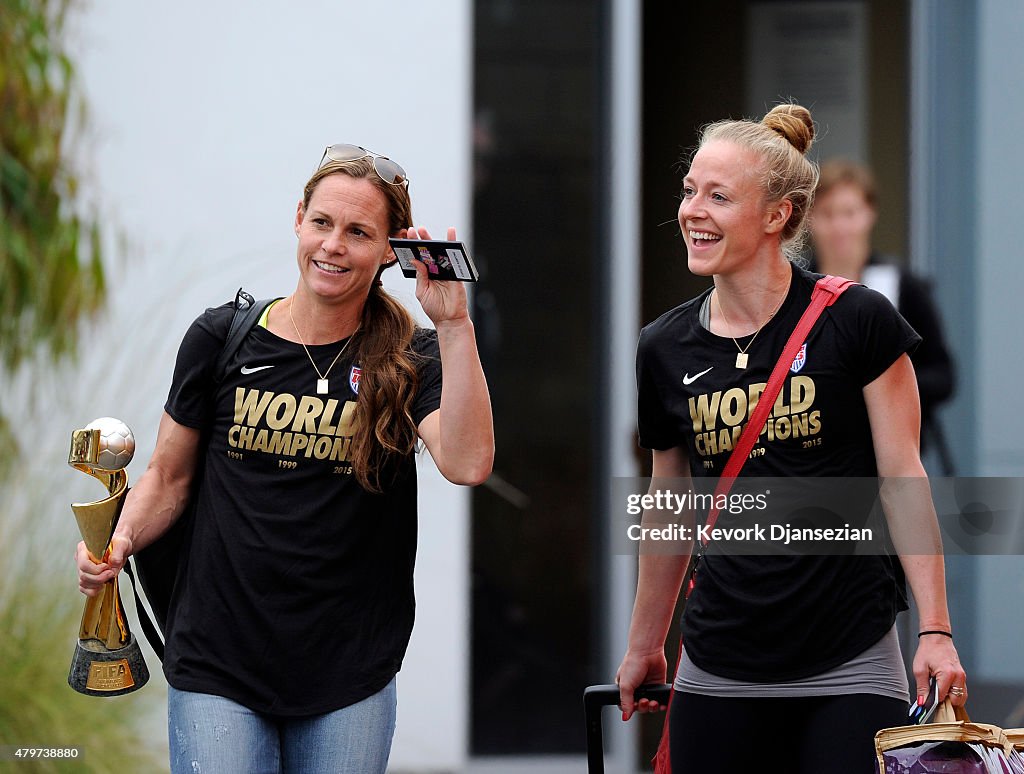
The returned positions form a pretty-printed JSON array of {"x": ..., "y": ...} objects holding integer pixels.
[{"x": 213, "y": 735}]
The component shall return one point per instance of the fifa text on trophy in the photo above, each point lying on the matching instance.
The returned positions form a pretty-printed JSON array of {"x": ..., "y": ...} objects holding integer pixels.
[{"x": 108, "y": 660}]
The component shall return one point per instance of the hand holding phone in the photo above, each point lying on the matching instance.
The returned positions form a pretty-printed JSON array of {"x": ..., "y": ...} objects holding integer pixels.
[{"x": 923, "y": 713}]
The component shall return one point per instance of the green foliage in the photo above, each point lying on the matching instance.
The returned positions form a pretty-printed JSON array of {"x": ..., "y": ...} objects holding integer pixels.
[
  {"x": 51, "y": 272},
  {"x": 51, "y": 278},
  {"x": 40, "y": 612},
  {"x": 37, "y": 707}
]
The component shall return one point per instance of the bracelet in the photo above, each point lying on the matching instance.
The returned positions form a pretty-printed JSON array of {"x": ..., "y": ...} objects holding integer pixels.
[{"x": 935, "y": 631}]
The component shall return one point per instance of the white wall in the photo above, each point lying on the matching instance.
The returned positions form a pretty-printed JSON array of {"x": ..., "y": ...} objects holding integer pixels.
[
  {"x": 1000, "y": 231},
  {"x": 1000, "y": 367},
  {"x": 206, "y": 119}
]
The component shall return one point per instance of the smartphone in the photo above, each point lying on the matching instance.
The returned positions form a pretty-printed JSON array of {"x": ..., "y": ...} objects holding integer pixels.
[
  {"x": 445, "y": 260},
  {"x": 923, "y": 713}
]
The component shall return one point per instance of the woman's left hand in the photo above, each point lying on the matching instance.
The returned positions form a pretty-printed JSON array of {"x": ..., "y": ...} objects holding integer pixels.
[
  {"x": 937, "y": 656},
  {"x": 443, "y": 302}
]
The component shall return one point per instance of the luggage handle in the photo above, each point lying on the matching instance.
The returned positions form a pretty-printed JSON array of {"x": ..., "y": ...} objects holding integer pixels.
[{"x": 595, "y": 698}]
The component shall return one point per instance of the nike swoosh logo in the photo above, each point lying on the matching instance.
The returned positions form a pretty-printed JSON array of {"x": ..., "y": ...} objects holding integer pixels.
[
  {"x": 247, "y": 370},
  {"x": 687, "y": 379}
]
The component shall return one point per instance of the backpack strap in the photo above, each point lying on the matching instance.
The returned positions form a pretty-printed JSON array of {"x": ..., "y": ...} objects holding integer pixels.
[
  {"x": 149, "y": 627},
  {"x": 246, "y": 316}
]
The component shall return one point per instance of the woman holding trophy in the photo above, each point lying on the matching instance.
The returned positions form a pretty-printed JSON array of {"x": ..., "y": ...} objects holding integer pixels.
[{"x": 293, "y": 614}]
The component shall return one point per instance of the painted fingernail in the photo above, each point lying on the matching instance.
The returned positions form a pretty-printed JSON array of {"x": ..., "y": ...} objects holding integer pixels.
[
  {"x": 920, "y": 701},
  {"x": 624, "y": 716}
]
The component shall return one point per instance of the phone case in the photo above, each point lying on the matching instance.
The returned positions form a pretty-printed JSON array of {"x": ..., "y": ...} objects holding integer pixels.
[
  {"x": 446, "y": 261},
  {"x": 921, "y": 714}
]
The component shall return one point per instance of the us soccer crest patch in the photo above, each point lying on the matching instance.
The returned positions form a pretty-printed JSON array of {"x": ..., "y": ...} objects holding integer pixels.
[
  {"x": 356, "y": 372},
  {"x": 800, "y": 359}
]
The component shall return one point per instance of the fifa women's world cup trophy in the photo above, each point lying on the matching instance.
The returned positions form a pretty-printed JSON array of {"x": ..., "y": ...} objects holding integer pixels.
[{"x": 108, "y": 660}]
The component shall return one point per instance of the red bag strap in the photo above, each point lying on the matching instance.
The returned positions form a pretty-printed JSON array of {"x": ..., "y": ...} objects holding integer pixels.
[{"x": 826, "y": 291}]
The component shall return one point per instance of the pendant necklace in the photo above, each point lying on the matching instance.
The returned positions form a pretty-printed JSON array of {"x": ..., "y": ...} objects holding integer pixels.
[
  {"x": 322, "y": 385},
  {"x": 741, "y": 357}
]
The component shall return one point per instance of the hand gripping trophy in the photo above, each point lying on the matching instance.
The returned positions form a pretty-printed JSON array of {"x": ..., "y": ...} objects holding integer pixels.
[{"x": 108, "y": 660}]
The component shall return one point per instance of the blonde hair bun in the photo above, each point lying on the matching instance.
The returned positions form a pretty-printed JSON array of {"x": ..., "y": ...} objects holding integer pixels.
[
  {"x": 793, "y": 122},
  {"x": 780, "y": 140}
]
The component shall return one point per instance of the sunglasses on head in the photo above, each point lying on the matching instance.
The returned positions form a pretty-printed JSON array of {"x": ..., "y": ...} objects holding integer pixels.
[{"x": 386, "y": 169}]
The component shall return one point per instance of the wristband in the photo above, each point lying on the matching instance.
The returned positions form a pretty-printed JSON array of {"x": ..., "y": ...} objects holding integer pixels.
[{"x": 935, "y": 631}]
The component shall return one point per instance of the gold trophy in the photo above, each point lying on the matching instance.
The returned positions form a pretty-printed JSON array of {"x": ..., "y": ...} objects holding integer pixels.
[{"x": 108, "y": 660}]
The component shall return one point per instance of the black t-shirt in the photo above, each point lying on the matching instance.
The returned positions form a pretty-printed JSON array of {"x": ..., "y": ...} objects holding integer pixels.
[
  {"x": 775, "y": 618},
  {"x": 297, "y": 597}
]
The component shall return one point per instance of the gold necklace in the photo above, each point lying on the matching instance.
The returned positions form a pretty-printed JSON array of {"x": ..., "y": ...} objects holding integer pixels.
[
  {"x": 322, "y": 385},
  {"x": 741, "y": 358}
]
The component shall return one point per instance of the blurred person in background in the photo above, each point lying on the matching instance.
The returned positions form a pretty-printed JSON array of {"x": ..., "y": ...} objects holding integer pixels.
[{"x": 841, "y": 222}]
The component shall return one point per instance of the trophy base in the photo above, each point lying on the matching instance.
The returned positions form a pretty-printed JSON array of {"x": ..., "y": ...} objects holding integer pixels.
[{"x": 96, "y": 671}]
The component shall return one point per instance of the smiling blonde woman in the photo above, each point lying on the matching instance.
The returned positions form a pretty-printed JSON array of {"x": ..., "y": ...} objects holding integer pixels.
[{"x": 787, "y": 657}]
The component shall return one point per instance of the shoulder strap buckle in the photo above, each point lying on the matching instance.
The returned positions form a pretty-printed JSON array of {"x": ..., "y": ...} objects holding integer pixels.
[
  {"x": 247, "y": 315},
  {"x": 833, "y": 286}
]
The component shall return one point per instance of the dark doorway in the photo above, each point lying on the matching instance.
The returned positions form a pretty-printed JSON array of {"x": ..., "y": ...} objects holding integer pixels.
[{"x": 532, "y": 595}]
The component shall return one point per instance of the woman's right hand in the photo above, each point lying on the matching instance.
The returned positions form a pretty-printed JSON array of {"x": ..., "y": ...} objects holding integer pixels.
[
  {"x": 635, "y": 670},
  {"x": 92, "y": 575}
]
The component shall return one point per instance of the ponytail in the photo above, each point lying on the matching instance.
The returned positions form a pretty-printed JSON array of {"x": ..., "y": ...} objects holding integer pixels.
[{"x": 384, "y": 427}]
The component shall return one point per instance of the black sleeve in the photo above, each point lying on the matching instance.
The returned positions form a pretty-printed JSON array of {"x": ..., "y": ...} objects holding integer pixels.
[
  {"x": 190, "y": 400},
  {"x": 932, "y": 361},
  {"x": 428, "y": 365},
  {"x": 876, "y": 332},
  {"x": 653, "y": 421}
]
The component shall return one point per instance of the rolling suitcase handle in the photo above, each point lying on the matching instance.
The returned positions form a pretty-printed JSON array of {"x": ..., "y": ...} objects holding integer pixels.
[{"x": 595, "y": 698}]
